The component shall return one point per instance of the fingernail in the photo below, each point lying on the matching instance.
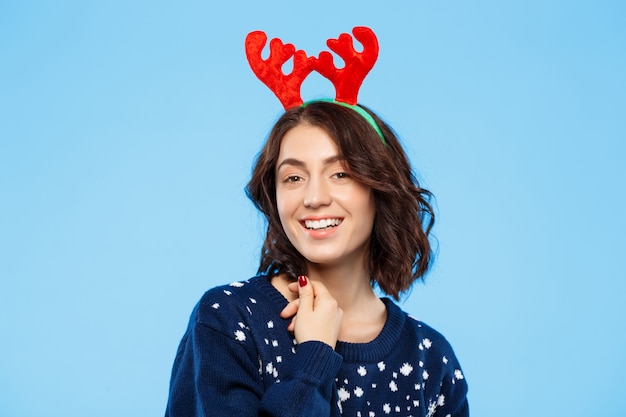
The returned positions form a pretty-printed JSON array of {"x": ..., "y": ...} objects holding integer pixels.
[{"x": 302, "y": 281}]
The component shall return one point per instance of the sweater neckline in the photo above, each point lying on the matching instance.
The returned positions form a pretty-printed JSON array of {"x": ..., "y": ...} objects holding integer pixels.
[{"x": 372, "y": 351}]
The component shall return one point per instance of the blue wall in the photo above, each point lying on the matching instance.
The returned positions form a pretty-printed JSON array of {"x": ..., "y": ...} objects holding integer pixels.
[{"x": 127, "y": 133}]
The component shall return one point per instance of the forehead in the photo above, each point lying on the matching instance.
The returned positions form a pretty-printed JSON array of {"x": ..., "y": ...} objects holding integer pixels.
[{"x": 307, "y": 142}]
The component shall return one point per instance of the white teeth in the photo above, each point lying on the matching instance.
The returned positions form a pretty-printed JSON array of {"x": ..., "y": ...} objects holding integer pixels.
[{"x": 321, "y": 224}]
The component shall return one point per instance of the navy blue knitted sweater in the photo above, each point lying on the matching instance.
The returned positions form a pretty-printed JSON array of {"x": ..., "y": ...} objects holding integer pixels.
[{"x": 238, "y": 359}]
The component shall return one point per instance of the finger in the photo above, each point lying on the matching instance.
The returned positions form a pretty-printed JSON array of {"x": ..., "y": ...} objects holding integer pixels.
[
  {"x": 291, "y": 309},
  {"x": 292, "y": 325},
  {"x": 319, "y": 316},
  {"x": 319, "y": 289},
  {"x": 293, "y": 287},
  {"x": 305, "y": 293}
]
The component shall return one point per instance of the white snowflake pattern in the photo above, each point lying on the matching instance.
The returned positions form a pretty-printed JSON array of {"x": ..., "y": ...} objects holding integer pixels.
[
  {"x": 358, "y": 391},
  {"x": 275, "y": 343},
  {"x": 236, "y": 284},
  {"x": 381, "y": 366},
  {"x": 227, "y": 292},
  {"x": 361, "y": 371},
  {"x": 406, "y": 369},
  {"x": 387, "y": 408},
  {"x": 441, "y": 400},
  {"x": 240, "y": 336},
  {"x": 425, "y": 374},
  {"x": 427, "y": 343},
  {"x": 343, "y": 394},
  {"x": 271, "y": 369},
  {"x": 216, "y": 306},
  {"x": 445, "y": 360},
  {"x": 372, "y": 414},
  {"x": 393, "y": 386},
  {"x": 270, "y": 324},
  {"x": 458, "y": 374},
  {"x": 279, "y": 359},
  {"x": 252, "y": 300},
  {"x": 432, "y": 407}
]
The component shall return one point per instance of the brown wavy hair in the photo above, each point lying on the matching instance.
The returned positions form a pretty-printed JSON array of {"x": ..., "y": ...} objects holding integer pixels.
[{"x": 400, "y": 250}]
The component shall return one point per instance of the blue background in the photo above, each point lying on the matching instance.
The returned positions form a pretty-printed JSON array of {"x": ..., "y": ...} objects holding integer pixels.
[{"x": 128, "y": 131}]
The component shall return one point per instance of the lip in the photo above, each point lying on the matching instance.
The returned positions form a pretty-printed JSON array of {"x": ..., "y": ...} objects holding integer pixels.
[{"x": 322, "y": 233}]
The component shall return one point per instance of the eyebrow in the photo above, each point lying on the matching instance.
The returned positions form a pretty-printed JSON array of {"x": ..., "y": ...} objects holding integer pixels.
[{"x": 298, "y": 163}]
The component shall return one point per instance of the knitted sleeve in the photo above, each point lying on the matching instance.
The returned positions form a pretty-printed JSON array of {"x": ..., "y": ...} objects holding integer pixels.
[
  {"x": 453, "y": 395},
  {"x": 308, "y": 389},
  {"x": 450, "y": 399},
  {"x": 216, "y": 374}
]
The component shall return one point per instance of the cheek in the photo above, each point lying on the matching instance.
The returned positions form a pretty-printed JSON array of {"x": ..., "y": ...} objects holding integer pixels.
[
  {"x": 361, "y": 199},
  {"x": 286, "y": 210},
  {"x": 368, "y": 211},
  {"x": 284, "y": 206}
]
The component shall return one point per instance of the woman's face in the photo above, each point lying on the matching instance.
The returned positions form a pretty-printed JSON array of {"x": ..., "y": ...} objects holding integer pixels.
[{"x": 327, "y": 215}]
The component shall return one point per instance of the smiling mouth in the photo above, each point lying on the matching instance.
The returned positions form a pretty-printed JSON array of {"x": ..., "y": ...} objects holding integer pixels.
[{"x": 321, "y": 224}]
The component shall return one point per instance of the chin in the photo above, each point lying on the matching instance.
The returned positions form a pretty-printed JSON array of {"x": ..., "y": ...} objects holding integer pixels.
[
  {"x": 321, "y": 260},
  {"x": 330, "y": 258},
  {"x": 320, "y": 257}
]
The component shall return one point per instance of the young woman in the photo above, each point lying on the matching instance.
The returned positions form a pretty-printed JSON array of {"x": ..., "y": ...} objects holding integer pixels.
[{"x": 308, "y": 336}]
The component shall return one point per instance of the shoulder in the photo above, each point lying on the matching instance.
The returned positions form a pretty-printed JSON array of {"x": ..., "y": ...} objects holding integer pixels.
[
  {"x": 435, "y": 350},
  {"x": 230, "y": 295},
  {"x": 428, "y": 337},
  {"x": 224, "y": 305}
]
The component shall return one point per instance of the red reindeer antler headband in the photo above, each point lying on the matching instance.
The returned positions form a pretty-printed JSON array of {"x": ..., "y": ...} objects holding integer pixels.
[{"x": 347, "y": 80}]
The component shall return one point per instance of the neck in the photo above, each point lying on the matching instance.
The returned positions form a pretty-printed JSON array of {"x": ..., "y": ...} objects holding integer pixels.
[
  {"x": 349, "y": 285},
  {"x": 364, "y": 314}
]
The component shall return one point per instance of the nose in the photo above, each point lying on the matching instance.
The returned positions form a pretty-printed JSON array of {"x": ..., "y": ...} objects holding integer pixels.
[{"x": 317, "y": 193}]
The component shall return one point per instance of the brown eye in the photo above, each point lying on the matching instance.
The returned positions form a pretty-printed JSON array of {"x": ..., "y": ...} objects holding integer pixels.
[
  {"x": 341, "y": 175},
  {"x": 293, "y": 178}
]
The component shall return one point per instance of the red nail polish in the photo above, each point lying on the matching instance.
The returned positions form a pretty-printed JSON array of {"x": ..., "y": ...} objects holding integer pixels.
[{"x": 302, "y": 281}]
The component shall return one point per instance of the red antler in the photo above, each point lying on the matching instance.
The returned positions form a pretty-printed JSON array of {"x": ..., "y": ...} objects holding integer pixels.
[
  {"x": 348, "y": 79},
  {"x": 286, "y": 87}
]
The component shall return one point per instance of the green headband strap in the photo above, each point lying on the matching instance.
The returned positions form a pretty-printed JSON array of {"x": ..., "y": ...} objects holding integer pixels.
[{"x": 368, "y": 117}]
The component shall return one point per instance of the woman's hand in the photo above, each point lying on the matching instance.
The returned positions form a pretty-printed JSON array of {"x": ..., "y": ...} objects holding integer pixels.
[{"x": 316, "y": 315}]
